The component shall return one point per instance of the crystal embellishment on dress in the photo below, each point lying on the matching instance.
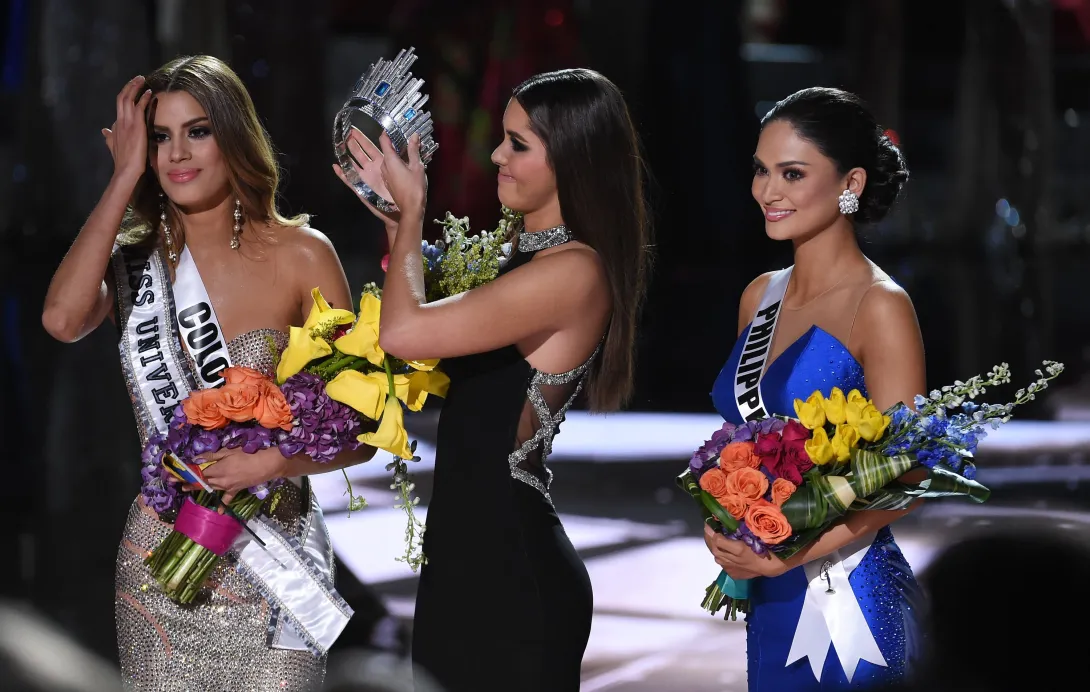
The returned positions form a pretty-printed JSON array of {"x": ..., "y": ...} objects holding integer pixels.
[
  {"x": 550, "y": 424},
  {"x": 540, "y": 240}
]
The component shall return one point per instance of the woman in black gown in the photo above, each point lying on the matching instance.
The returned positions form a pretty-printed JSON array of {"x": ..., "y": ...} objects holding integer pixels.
[{"x": 504, "y": 601}]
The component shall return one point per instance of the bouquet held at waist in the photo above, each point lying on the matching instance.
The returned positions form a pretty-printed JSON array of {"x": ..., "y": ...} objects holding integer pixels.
[
  {"x": 334, "y": 390},
  {"x": 778, "y": 483}
]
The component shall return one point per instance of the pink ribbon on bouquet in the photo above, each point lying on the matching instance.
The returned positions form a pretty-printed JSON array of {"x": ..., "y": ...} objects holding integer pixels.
[{"x": 207, "y": 527}]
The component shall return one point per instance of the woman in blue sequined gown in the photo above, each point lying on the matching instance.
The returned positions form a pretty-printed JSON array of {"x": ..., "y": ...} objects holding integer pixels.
[{"x": 823, "y": 168}]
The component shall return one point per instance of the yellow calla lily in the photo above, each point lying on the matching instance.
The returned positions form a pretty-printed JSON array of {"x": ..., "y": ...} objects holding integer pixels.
[
  {"x": 302, "y": 349},
  {"x": 423, "y": 365},
  {"x": 391, "y": 435},
  {"x": 323, "y": 315},
  {"x": 370, "y": 307},
  {"x": 365, "y": 393},
  {"x": 362, "y": 342},
  {"x": 414, "y": 389}
]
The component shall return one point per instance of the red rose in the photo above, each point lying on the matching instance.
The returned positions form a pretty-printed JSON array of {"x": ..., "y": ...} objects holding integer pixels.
[
  {"x": 770, "y": 448},
  {"x": 788, "y": 470},
  {"x": 794, "y": 431},
  {"x": 797, "y": 456}
]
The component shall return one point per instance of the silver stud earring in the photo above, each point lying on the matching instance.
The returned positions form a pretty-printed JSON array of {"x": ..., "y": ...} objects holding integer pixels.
[
  {"x": 164, "y": 227},
  {"x": 849, "y": 202},
  {"x": 238, "y": 225}
]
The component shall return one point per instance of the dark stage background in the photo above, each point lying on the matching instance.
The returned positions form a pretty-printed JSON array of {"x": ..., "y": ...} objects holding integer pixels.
[{"x": 989, "y": 99}]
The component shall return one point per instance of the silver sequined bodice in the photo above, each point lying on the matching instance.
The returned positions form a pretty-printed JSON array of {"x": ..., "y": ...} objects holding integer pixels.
[{"x": 256, "y": 349}]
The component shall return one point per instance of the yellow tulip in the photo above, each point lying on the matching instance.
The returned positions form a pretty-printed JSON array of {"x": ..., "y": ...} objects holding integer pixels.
[
  {"x": 364, "y": 392},
  {"x": 301, "y": 350},
  {"x": 323, "y": 316},
  {"x": 843, "y": 441},
  {"x": 818, "y": 447},
  {"x": 391, "y": 435},
  {"x": 867, "y": 420},
  {"x": 854, "y": 397},
  {"x": 362, "y": 342},
  {"x": 810, "y": 412},
  {"x": 834, "y": 407}
]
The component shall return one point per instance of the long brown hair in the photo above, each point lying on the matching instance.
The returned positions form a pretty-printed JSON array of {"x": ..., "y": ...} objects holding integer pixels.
[
  {"x": 247, "y": 150},
  {"x": 594, "y": 152}
]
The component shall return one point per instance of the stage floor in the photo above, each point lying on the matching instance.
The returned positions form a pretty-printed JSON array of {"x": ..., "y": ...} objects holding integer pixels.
[{"x": 641, "y": 539}]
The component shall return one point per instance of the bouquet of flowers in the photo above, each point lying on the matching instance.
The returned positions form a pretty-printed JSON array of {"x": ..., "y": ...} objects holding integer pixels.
[
  {"x": 779, "y": 483},
  {"x": 335, "y": 390},
  {"x": 461, "y": 261}
]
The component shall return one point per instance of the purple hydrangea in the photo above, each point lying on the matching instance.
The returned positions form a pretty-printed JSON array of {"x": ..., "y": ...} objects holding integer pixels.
[
  {"x": 746, "y": 536},
  {"x": 250, "y": 436},
  {"x": 704, "y": 458},
  {"x": 159, "y": 494},
  {"x": 321, "y": 427},
  {"x": 748, "y": 432}
]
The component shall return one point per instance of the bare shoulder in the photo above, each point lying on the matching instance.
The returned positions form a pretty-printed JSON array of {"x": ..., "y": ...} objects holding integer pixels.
[
  {"x": 572, "y": 255},
  {"x": 884, "y": 304},
  {"x": 886, "y": 322},
  {"x": 751, "y": 298},
  {"x": 310, "y": 259},
  {"x": 577, "y": 265},
  {"x": 304, "y": 243}
]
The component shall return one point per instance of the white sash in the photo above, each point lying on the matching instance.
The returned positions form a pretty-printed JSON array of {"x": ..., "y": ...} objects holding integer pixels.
[
  {"x": 151, "y": 355},
  {"x": 295, "y": 575},
  {"x": 307, "y": 612},
  {"x": 751, "y": 364},
  {"x": 197, "y": 321},
  {"x": 831, "y": 613}
]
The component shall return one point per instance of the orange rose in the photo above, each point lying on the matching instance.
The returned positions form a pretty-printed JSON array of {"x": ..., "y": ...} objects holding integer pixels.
[
  {"x": 767, "y": 522},
  {"x": 237, "y": 401},
  {"x": 714, "y": 482},
  {"x": 271, "y": 409},
  {"x": 781, "y": 490},
  {"x": 748, "y": 484},
  {"x": 739, "y": 455},
  {"x": 202, "y": 409},
  {"x": 237, "y": 374},
  {"x": 736, "y": 505}
]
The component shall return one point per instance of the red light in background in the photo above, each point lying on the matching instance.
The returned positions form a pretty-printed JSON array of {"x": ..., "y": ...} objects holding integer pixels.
[
  {"x": 893, "y": 136},
  {"x": 554, "y": 17}
]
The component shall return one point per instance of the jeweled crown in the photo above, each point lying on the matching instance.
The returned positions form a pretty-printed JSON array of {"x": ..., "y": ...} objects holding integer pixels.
[{"x": 388, "y": 94}]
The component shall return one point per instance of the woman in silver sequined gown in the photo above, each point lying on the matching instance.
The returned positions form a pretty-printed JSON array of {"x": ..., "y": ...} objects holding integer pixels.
[
  {"x": 183, "y": 188},
  {"x": 504, "y": 601}
]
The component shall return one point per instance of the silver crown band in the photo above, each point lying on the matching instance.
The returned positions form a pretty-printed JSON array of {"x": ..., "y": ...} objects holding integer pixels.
[{"x": 388, "y": 94}]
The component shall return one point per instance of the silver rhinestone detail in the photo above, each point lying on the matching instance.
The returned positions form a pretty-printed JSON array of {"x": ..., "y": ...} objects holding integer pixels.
[
  {"x": 540, "y": 240},
  {"x": 550, "y": 424}
]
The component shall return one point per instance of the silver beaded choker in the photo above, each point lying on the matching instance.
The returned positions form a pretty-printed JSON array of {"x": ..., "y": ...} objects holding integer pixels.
[{"x": 540, "y": 240}]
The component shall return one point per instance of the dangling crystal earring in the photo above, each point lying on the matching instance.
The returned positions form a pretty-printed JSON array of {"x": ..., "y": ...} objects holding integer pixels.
[
  {"x": 172, "y": 254},
  {"x": 238, "y": 225},
  {"x": 849, "y": 202}
]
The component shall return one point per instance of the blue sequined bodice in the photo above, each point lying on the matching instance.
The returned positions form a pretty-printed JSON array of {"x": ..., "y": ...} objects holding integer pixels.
[{"x": 816, "y": 360}]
